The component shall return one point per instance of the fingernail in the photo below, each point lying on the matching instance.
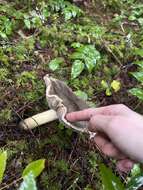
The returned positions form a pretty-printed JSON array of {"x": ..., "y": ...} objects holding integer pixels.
[{"x": 67, "y": 116}]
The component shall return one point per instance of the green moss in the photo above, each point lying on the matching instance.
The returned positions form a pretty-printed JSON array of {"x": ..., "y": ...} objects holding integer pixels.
[
  {"x": 5, "y": 115},
  {"x": 3, "y": 74}
]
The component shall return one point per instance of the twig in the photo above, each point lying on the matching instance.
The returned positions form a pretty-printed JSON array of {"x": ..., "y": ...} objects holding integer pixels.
[
  {"x": 10, "y": 184},
  {"x": 73, "y": 184},
  {"x": 70, "y": 156},
  {"x": 111, "y": 52},
  {"x": 24, "y": 123}
]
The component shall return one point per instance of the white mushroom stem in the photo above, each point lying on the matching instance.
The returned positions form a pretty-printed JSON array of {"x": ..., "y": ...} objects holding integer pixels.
[{"x": 38, "y": 119}]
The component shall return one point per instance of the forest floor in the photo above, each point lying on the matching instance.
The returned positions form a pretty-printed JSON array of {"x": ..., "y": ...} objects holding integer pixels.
[{"x": 96, "y": 48}]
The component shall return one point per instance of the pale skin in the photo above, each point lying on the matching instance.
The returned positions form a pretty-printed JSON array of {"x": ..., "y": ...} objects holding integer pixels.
[{"x": 119, "y": 132}]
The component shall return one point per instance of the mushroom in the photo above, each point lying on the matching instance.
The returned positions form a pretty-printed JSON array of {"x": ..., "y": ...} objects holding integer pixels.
[
  {"x": 61, "y": 100},
  {"x": 38, "y": 119}
]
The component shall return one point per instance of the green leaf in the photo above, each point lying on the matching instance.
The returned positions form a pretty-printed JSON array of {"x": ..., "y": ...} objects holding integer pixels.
[
  {"x": 71, "y": 11},
  {"x": 138, "y": 75},
  {"x": 27, "y": 23},
  {"x": 109, "y": 180},
  {"x": 140, "y": 20},
  {"x": 116, "y": 85},
  {"x": 68, "y": 14},
  {"x": 139, "y": 63},
  {"x": 76, "y": 45},
  {"x": 87, "y": 53},
  {"x": 132, "y": 18},
  {"x": 135, "y": 170},
  {"x": 90, "y": 64},
  {"x": 135, "y": 182},
  {"x": 28, "y": 183},
  {"x": 55, "y": 63},
  {"x": 104, "y": 84},
  {"x": 77, "y": 68},
  {"x": 77, "y": 55},
  {"x": 3, "y": 35},
  {"x": 36, "y": 167},
  {"x": 137, "y": 92},
  {"x": 3, "y": 159},
  {"x": 139, "y": 52},
  {"x": 108, "y": 92},
  {"x": 81, "y": 94}
]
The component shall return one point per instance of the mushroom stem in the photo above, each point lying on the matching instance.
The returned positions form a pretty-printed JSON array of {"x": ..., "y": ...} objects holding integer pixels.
[{"x": 38, "y": 119}]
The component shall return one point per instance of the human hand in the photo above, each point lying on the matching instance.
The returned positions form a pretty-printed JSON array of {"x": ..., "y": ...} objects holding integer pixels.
[{"x": 120, "y": 132}]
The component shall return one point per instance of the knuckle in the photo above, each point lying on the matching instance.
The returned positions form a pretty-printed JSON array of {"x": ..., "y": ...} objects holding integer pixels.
[
  {"x": 92, "y": 123},
  {"x": 92, "y": 120},
  {"x": 110, "y": 122},
  {"x": 113, "y": 123},
  {"x": 122, "y": 106}
]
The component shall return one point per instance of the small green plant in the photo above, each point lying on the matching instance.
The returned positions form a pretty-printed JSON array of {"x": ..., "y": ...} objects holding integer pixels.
[
  {"x": 3, "y": 57},
  {"x": 136, "y": 14},
  {"x": 71, "y": 11},
  {"x": 9, "y": 19},
  {"x": 3, "y": 160},
  {"x": 112, "y": 182},
  {"x": 36, "y": 167},
  {"x": 34, "y": 88},
  {"x": 81, "y": 94},
  {"x": 5, "y": 115},
  {"x": 109, "y": 88},
  {"x": 57, "y": 5},
  {"x": 27, "y": 77},
  {"x": 85, "y": 56},
  {"x": 23, "y": 49},
  {"x": 5, "y": 27},
  {"x": 56, "y": 63},
  {"x": 109, "y": 180},
  {"x": 66, "y": 8},
  {"x": 3, "y": 74},
  {"x": 138, "y": 91},
  {"x": 29, "y": 174},
  {"x": 93, "y": 162},
  {"x": 32, "y": 20},
  {"x": 113, "y": 4}
]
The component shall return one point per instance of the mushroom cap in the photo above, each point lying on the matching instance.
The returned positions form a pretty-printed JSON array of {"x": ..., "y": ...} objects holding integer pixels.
[{"x": 62, "y": 100}]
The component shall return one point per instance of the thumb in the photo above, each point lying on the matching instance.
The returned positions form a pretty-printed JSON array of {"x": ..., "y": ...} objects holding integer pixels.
[{"x": 100, "y": 123}]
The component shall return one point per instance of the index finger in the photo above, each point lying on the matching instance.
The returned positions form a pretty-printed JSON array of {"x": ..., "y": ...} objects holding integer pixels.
[
  {"x": 80, "y": 115},
  {"x": 88, "y": 113}
]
